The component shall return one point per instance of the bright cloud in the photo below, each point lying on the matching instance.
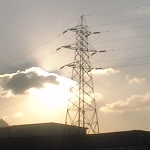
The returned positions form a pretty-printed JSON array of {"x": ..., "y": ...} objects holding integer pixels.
[
  {"x": 20, "y": 82},
  {"x": 134, "y": 103},
  {"x": 107, "y": 72},
  {"x": 42, "y": 92},
  {"x": 98, "y": 96},
  {"x": 135, "y": 80},
  {"x": 18, "y": 115}
]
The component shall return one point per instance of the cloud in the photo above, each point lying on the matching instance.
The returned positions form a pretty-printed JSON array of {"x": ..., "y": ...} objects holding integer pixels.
[
  {"x": 135, "y": 80},
  {"x": 18, "y": 115},
  {"x": 106, "y": 72},
  {"x": 134, "y": 103},
  {"x": 19, "y": 82},
  {"x": 98, "y": 96}
]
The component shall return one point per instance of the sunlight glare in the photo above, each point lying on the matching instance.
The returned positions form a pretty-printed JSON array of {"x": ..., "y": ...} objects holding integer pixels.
[{"x": 51, "y": 96}]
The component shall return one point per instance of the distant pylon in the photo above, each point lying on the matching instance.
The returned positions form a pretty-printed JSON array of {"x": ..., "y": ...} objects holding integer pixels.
[{"x": 81, "y": 110}]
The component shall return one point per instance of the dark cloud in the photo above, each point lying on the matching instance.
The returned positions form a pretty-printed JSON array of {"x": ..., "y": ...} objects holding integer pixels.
[{"x": 20, "y": 82}]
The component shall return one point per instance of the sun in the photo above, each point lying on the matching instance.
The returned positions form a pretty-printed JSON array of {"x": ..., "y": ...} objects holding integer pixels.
[
  {"x": 50, "y": 96},
  {"x": 49, "y": 103}
]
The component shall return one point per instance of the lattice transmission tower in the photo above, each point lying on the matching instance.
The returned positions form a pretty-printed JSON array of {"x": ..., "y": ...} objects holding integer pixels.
[{"x": 81, "y": 109}]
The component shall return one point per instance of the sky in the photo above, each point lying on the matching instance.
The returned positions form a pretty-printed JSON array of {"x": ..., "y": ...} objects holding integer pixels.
[{"x": 33, "y": 88}]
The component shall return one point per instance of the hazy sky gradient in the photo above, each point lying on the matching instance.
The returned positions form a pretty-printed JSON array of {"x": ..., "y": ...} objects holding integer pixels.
[{"x": 31, "y": 82}]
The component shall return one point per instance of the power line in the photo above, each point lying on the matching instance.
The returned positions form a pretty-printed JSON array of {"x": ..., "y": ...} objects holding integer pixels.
[
  {"x": 17, "y": 58},
  {"x": 120, "y": 22},
  {"x": 103, "y": 69},
  {"x": 108, "y": 31},
  {"x": 54, "y": 52},
  {"x": 11, "y": 105},
  {"x": 116, "y": 10},
  {"x": 124, "y": 29},
  {"x": 28, "y": 52},
  {"x": 134, "y": 65},
  {"x": 122, "y": 59},
  {"x": 127, "y": 48},
  {"x": 134, "y": 47},
  {"x": 123, "y": 39},
  {"x": 93, "y": 62},
  {"x": 131, "y": 65},
  {"x": 51, "y": 40}
]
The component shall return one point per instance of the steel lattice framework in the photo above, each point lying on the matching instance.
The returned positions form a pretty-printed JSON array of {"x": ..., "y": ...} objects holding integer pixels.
[{"x": 81, "y": 110}]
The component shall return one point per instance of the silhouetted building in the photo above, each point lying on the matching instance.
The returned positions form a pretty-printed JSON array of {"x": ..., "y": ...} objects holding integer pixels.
[
  {"x": 3, "y": 123},
  {"x": 53, "y": 136},
  {"x": 41, "y": 129}
]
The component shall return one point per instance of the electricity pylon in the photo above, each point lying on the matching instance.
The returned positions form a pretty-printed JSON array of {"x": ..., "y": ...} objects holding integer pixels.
[{"x": 81, "y": 110}]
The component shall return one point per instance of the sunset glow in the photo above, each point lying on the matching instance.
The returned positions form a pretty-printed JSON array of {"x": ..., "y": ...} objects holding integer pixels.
[
  {"x": 38, "y": 52},
  {"x": 50, "y": 96}
]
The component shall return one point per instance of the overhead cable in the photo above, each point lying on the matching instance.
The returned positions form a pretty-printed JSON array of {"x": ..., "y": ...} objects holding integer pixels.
[
  {"x": 28, "y": 52},
  {"x": 122, "y": 59},
  {"x": 134, "y": 37},
  {"x": 116, "y": 10},
  {"x": 120, "y": 22}
]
